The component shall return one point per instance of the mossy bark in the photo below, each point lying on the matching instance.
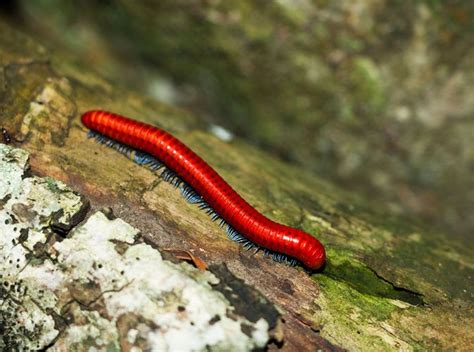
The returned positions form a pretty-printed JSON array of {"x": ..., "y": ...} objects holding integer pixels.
[
  {"x": 376, "y": 95},
  {"x": 387, "y": 284}
]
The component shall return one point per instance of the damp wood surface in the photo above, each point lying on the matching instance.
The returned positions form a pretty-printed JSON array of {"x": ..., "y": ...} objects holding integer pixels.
[{"x": 388, "y": 285}]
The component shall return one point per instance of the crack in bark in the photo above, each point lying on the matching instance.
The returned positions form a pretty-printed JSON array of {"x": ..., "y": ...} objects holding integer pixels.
[
  {"x": 417, "y": 298},
  {"x": 87, "y": 305}
]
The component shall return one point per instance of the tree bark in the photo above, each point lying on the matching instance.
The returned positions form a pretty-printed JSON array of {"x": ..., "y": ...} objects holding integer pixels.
[{"x": 387, "y": 285}]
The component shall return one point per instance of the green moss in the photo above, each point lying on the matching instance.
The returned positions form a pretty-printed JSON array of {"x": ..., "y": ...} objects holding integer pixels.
[
  {"x": 344, "y": 299},
  {"x": 341, "y": 266},
  {"x": 36, "y": 261},
  {"x": 113, "y": 347},
  {"x": 371, "y": 256},
  {"x": 355, "y": 310},
  {"x": 436, "y": 264},
  {"x": 347, "y": 314},
  {"x": 367, "y": 85},
  {"x": 52, "y": 185}
]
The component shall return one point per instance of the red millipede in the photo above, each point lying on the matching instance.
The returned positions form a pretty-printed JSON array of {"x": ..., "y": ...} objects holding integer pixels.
[{"x": 200, "y": 184}]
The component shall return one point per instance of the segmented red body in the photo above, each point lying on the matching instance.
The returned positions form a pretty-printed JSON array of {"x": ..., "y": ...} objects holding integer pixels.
[{"x": 212, "y": 187}]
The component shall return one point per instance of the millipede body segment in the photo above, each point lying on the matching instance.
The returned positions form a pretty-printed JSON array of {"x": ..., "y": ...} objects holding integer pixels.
[{"x": 200, "y": 184}]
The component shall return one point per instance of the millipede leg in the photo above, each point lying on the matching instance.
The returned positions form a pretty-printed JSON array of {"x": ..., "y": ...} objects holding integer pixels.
[{"x": 189, "y": 194}]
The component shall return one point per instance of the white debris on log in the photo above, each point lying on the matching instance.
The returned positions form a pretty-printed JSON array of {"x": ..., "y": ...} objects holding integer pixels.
[
  {"x": 27, "y": 206},
  {"x": 99, "y": 288}
]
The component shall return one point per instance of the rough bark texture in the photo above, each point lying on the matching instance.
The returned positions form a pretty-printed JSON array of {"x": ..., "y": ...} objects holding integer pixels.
[
  {"x": 387, "y": 285},
  {"x": 102, "y": 287}
]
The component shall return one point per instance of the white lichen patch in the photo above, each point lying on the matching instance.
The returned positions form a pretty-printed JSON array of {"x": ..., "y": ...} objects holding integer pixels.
[
  {"x": 94, "y": 333},
  {"x": 99, "y": 289},
  {"x": 89, "y": 254},
  {"x": 12, "y": 165},
  {"x": 27, "y": 205},
  {"x": 181, "y": 313}
]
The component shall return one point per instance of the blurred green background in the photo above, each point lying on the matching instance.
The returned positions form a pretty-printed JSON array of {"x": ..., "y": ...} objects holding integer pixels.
[{"x": 377, "y": 96}]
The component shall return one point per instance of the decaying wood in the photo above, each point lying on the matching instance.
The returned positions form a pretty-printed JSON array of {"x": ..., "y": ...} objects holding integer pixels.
[{"x": 387, "y": 285}]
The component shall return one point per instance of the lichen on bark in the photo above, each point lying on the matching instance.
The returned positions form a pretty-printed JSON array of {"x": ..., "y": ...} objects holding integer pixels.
[
  {"x": 99, "y": 287},
  {"x": 387, "y": 284}
]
